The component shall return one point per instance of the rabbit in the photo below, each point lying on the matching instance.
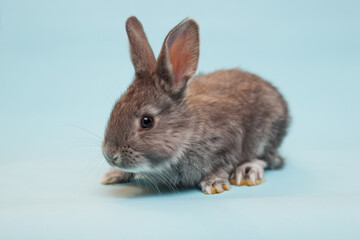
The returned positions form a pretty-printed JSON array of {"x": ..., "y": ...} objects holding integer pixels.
[{"x": 207, "y": 131}]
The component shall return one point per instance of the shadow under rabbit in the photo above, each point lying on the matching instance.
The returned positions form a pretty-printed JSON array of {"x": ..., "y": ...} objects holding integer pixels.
[{"x": 288, "y": 181}]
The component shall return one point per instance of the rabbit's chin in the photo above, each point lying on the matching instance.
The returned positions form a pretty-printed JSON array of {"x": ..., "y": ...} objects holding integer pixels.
[
  {"x": 135, "y": 168},
  {"x": 144, "y": 166}
]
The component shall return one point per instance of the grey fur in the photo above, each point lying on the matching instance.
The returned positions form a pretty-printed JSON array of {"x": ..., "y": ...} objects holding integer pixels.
[{"x": 209, "y": 125}]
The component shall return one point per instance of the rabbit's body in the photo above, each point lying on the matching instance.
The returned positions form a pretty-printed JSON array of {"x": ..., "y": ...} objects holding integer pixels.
[
  {"x": 259, "y": 113},
  {"x": 223, "y": 126},
  {"x": 224, "y": 141}
]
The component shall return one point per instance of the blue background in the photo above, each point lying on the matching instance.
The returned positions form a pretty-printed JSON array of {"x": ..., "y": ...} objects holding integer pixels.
[{"x": 63, "y": 64}]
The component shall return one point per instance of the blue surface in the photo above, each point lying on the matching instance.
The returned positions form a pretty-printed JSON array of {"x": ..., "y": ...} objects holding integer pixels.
[{"x": 64, "y": 63}]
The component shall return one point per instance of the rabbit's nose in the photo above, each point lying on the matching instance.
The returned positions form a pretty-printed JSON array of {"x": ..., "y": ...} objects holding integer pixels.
[{"x": 111, "y": 158}]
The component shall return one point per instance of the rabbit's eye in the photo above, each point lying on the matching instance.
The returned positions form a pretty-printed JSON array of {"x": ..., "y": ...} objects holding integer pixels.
[{"x": 146, "y": 122}]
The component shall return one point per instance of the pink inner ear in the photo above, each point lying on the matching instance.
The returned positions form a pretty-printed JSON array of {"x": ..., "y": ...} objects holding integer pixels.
[{"x": 180, "y": 53}]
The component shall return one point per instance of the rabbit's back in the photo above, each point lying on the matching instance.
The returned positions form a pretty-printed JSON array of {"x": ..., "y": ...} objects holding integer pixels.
[{"x": 237, "y": 91}]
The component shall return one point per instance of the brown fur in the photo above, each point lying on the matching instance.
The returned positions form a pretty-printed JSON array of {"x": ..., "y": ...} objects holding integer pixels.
[{"x": 204, "y": 128}]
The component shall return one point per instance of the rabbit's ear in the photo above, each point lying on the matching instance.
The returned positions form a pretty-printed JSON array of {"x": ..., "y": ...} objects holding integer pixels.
[
  {"x": 179, "y": 57},
  {"x": 141, "y": 53}
]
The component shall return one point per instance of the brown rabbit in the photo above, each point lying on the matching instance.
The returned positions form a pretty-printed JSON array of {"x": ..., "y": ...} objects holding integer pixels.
[{"x": 204, "y": 131}]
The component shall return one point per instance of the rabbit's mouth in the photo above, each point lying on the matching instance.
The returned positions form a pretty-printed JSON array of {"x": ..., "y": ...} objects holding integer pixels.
[
  {"x": 111, "y": 159},
  {"x": 134, "y": 162},
  {"x": 124, "y": 157},
  {"x": 131, "y": 160}
]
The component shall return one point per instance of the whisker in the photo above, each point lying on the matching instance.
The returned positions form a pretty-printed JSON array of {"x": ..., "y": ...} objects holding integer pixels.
[
  {"x": 171, "y": 180},
  {"x": 166, "y": 181},
  {"x": 153, "y": 182},
  {"x": 86, "y": 130},
  {"x": 146, "y": 183}
]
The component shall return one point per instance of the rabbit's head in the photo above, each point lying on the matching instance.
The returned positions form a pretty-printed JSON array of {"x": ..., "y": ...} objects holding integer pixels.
[{"x": 151, "y": 122}]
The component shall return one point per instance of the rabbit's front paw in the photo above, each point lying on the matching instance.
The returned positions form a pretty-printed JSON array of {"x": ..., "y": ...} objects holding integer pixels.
[
  {"x": 114, "y": 176},
  {"x": 215, "y": 183},
  {"x": 213, "y": 186},
  {"x": 249, "y": 173}
]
